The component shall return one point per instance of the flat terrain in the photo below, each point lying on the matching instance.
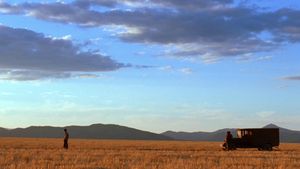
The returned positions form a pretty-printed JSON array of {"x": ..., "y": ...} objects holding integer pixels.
[{"x": 112, "y": 154}]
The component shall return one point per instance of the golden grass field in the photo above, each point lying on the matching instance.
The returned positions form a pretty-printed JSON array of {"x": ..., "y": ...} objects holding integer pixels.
[{"x": 115, "y": 154}]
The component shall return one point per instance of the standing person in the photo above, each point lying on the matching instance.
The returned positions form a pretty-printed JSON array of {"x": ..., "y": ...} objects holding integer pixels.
[
  {"x": 66, "y": 138},
  {"x": 228, "y": 137},
  {"x": 228, "y": 141}
]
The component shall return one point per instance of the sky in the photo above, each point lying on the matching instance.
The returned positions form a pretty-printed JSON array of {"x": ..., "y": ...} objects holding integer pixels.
[{"x": 155, "y": 65}]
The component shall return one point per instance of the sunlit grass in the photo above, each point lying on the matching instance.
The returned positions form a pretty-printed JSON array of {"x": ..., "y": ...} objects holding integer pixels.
[{"x": 115, "y": 154}]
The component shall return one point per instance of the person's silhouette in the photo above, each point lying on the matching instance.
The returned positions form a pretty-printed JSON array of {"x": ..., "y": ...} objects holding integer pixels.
[
  {"x": 66, "y": 138},
  {"x": 228, "y": 137},
  {"x": 228, "y": 141}
]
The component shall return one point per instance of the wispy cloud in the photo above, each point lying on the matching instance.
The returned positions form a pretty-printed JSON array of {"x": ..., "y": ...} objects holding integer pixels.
[
  {"x": 170, "y": 68},
  {"x": 265, "y": 114},
  {"x": 291, "y": 78},
  {"x": 251, "y": 58},
  {"x": 186, "y": 71}
]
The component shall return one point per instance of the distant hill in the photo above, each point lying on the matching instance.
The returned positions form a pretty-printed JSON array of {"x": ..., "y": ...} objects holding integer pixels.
[
  {"x": 95, "y": 131},
  {"x": 286, "y": 135},
  {"x": 199, "y": 136},
  {"x": 111, "y": 131}
]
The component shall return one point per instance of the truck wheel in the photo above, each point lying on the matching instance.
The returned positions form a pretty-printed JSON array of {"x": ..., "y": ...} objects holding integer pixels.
[
  {"x": 231, "y": 146},
  {"x": 269, "y": 147},
  {"x": 266, "y": 147}
]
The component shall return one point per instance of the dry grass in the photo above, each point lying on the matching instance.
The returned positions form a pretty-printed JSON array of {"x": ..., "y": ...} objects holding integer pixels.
[{"x": 110, "y": 154}]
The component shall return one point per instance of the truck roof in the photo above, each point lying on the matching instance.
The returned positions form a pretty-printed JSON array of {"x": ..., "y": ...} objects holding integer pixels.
[{"x": 257, "y": 129}]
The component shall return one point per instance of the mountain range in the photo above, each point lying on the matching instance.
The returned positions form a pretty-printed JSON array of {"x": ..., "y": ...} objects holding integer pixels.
[
  {"x": 94, "y": 131},
  {"x": 111, "y": 131},
  {"x": 286, "y": 135}
]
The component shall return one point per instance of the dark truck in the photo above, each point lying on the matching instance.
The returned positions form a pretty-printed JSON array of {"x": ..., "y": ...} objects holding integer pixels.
[{"x": 260, "y": 138}]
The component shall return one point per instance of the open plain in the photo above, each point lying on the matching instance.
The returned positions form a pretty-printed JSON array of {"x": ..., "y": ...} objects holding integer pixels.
[{"x": 122, "y": 154}]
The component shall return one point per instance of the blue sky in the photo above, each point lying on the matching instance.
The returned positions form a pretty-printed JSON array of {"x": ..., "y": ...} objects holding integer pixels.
[{"x": 154, "y": 65}]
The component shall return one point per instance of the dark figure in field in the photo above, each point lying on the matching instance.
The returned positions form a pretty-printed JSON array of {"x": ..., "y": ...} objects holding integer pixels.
[
  {"x": 228, "y": 141},
  {"x": 228, "y": 137},
  {"x": 66, "y": 138}
]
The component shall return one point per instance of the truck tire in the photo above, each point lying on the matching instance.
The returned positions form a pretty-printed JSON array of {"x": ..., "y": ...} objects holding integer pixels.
[
  {"x": 269, "y": 147},
  {"x": 266, "y": 147}
]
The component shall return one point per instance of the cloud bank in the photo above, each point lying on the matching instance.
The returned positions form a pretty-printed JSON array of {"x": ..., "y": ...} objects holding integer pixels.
[
  {"x": 27, "y": 55},
  {"x": 292, "y": 78},
  {"x": 205, "y": 29}
]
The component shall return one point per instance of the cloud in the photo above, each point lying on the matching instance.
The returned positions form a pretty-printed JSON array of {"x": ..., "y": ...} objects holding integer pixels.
[
  {"x": 265, "y": 114},
  {"x": 88, "y": 76},
  {"x": 169, "y": 68},
  {"x": 264, "y": 58},
  {"x": 186, "y": 71},
  {"x": 291, "y": 78},
  {"x": 250, "y": 58},
  {"x": 193, "y": 4},
  {"x": 207, "y": 30},
  {"x": 27, "y": 55},
  {"x": 30, "y": 75}
]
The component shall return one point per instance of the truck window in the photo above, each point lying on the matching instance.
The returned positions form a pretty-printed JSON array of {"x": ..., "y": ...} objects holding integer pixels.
[{"x": 239, "y": 134}]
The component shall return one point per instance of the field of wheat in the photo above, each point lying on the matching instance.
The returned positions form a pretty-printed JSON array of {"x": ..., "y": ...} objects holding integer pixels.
[{"x": 22, "y": 153}]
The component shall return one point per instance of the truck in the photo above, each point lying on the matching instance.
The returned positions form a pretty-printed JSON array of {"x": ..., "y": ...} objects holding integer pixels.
[{"x": 260, "y": 138}]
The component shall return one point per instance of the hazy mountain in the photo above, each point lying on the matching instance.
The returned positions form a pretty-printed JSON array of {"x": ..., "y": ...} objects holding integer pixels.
[
  {"x": 199, "y": 136},
  {"x": 95, "y": 131},
  {"x": 110, "y": 131},
  {"x": 286, "y": 135}
]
